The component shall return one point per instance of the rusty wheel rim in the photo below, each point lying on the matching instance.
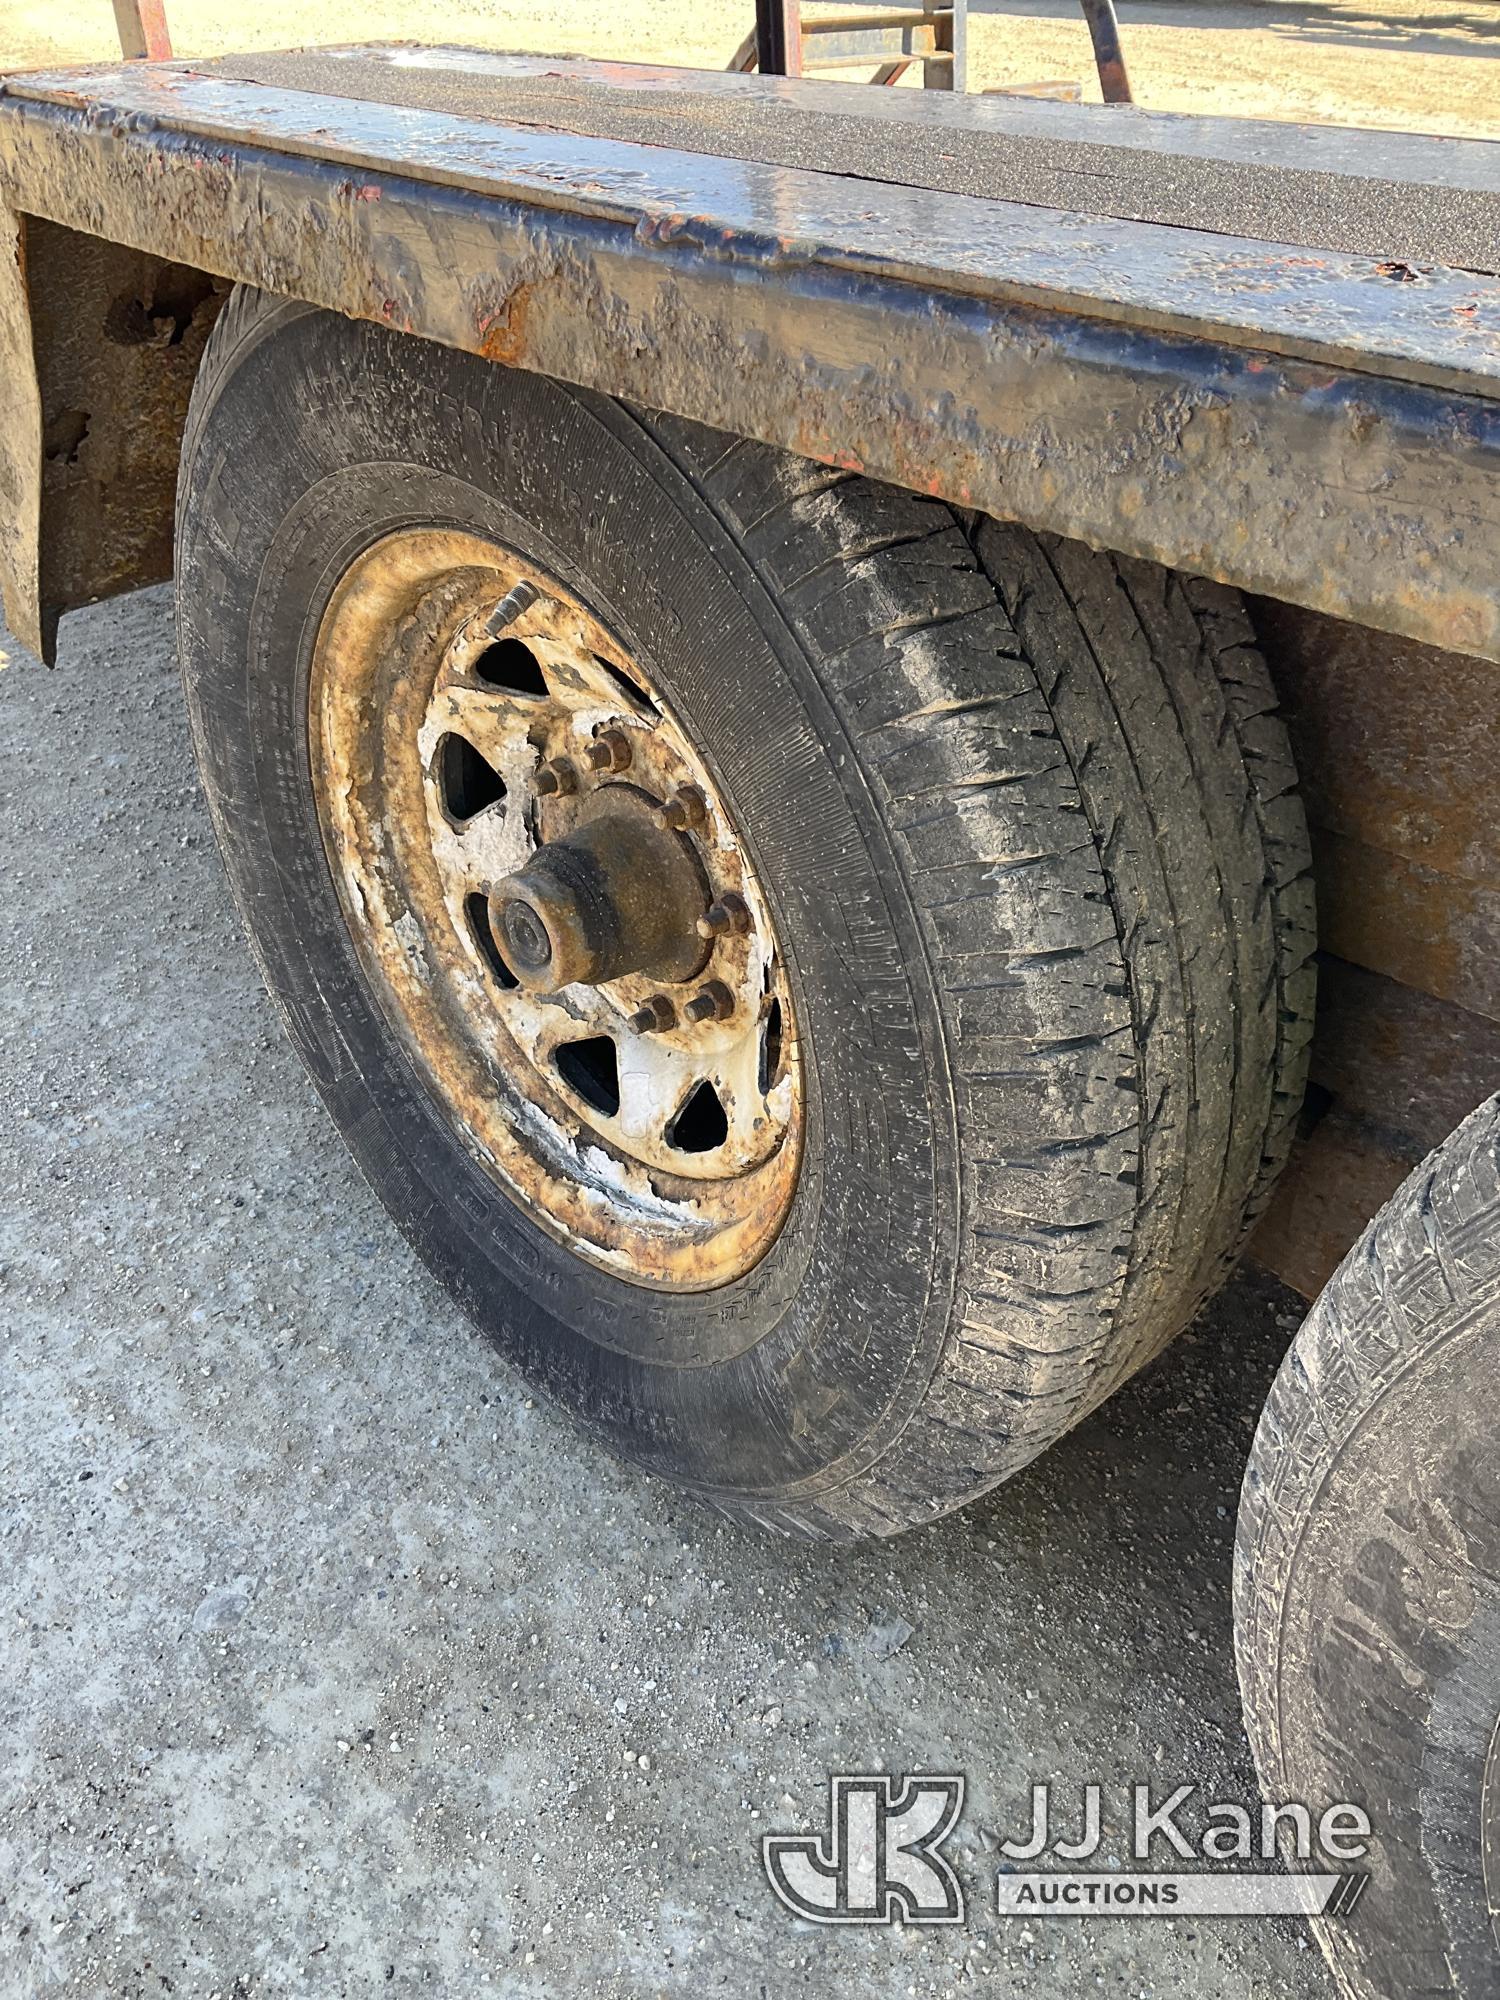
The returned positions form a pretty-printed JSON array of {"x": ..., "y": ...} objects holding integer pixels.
[{"x": 545, "y": 888}]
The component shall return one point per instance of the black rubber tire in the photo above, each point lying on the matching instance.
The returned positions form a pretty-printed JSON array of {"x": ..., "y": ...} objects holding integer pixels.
[
  {"x": 1367, "y": 1576},
  {"x": 1027, "y": 819}
]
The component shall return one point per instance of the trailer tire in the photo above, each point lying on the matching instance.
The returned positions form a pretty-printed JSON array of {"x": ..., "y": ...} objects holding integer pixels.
[
  {"x": 1367, "y": 1577},
  {"x": 1026, "y": 822}
]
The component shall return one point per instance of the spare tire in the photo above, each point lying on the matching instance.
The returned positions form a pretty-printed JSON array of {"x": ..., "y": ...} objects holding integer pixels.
[
  {"x": 1367, "y": 1577},
  {"x": 999, "y": 835}
]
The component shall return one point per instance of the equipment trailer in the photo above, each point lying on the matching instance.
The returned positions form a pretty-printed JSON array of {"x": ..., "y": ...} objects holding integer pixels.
[{"x": 730, "y": 626}]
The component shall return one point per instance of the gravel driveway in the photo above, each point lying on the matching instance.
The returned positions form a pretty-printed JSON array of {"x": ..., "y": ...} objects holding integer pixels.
[{"x": 330, "y": 1663}]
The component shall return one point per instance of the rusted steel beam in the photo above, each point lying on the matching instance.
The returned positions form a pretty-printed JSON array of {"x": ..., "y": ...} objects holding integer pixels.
[
  {"x": 943, "y": 343},
  {"x": 142, "y": 28}
]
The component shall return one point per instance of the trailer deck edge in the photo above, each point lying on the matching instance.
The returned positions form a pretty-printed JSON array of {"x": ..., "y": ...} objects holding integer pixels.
[{"x": 1327, "y": 477}]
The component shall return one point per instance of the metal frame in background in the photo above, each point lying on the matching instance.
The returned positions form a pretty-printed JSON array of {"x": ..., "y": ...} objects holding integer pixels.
[
  {"x": 142, "y": 28},
  {"x": 1109, "y": 55},
  {"x": 891, "y": 39},
  {"x": 936, "y": 35}
]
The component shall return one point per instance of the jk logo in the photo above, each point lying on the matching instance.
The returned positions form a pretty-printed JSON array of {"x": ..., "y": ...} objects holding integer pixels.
[{"x": 880, "y": 1860}]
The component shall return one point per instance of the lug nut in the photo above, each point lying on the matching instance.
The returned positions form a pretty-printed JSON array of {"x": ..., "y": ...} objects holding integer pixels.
[
  {"x": 714, "y": 1002},
  {"x": 686, "y": 808},
  {"x": 655, "y": 1017},
  {"x": 729, "y": 914},
  {"x": 556, "y": 777},
  {"x": 609, "y": 751}
]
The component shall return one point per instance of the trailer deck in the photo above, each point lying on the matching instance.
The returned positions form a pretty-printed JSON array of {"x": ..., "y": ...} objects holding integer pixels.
[
  {"x": 1381, "y": 195},
  {"x": 996, "y": 301}
]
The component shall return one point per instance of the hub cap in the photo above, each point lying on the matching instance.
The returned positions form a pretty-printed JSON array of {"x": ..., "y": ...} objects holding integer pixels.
[{"x": 543, "y": 882}]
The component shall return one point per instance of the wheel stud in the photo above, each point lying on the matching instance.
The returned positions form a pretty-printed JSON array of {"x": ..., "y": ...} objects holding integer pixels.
[
  {"x": 508, "y": 610},
  {"x": 728, "y": 915},
  {"x": 609, "y": 751},
  {"x": 556, "y": 778},
  {"x": 656, "y": 1017},
  {"x": 687, "y": 808},
  {"x": 714, "y": 1002}
]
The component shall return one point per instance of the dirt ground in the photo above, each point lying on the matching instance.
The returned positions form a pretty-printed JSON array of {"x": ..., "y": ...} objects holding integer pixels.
[
  {"x": 1416, "y": 63},
  {"x": 331, "y": 1664}
]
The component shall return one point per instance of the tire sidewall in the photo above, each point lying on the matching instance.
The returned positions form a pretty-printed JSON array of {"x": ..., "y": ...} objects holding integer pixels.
[{"x": 1371, "y": 1664}]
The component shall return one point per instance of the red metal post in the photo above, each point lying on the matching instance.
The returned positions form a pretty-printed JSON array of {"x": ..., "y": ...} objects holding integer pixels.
[
  {"x": 778, "y": 37},
  {"x": 142, "y": 28}
]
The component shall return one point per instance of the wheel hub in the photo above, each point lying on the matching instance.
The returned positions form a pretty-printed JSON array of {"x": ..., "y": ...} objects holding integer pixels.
[
  {"x": 622, "y": 893},
  {"x": 542, "y": 875}
]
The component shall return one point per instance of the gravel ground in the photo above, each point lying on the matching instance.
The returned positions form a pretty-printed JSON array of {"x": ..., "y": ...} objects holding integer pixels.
[{"x": 330, "y": 1663}]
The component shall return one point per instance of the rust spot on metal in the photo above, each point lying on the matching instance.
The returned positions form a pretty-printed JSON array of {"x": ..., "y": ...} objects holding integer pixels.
[{"x": 502, "y": 331}]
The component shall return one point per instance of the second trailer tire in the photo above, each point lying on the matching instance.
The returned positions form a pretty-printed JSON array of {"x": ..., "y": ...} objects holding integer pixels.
[
  {"x": 1367, "y": 1577},
  {"x": 957, "y": 1043}
]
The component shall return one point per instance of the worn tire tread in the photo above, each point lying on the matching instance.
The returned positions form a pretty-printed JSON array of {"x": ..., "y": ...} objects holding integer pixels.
[{"x": 1078, "y": 731}]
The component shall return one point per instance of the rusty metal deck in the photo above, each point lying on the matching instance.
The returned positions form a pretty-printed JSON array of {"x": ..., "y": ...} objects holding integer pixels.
[{"x": 997, "y": 301}]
